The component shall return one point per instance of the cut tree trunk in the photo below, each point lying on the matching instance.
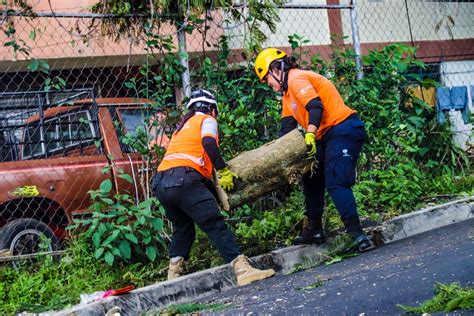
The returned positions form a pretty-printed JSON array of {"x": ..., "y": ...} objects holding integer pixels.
[{"x": 265, "y": 169}]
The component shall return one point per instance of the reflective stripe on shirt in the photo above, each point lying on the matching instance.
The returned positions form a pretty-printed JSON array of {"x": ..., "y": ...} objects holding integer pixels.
[{"x": 197, "y": 160}]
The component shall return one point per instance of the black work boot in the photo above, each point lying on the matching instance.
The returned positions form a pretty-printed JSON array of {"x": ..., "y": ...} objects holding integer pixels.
[
  {"x": 362, "y": 243},
  {"x": 312, "y": 234},
  {"x": 354, "y": 229}
]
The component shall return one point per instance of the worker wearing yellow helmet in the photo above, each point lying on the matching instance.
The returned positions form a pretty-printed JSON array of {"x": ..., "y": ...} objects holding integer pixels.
[{"x": 334, "y": 137}]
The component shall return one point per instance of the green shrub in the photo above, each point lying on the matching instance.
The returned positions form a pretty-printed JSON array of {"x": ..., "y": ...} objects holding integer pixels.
[{"x": 121, "y": 229}]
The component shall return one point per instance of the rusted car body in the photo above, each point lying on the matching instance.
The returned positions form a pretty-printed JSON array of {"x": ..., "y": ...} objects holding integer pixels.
[{"x": 60, "y": 157}]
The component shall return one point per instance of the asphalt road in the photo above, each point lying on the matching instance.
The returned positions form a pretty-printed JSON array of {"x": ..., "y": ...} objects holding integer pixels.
[{"x": 373, "y": 283}]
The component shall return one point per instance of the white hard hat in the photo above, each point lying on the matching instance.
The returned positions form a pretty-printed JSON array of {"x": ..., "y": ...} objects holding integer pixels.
[{"x": 201, "y": 98}]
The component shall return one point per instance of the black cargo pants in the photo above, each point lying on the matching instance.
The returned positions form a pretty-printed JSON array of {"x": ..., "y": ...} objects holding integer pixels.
[
  {"x": 337, "y": 154},
  {"x": 183, "y": 193}
]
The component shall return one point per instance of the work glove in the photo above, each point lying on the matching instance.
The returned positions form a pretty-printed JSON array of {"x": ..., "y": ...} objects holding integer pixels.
[
  {"x": 226, "y": 178},
  {"x": 310, "y": 140}
]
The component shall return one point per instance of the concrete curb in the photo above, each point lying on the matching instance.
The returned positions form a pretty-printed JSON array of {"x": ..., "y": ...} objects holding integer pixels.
[
  {"x": 197, "y": 285},
  {"x": 427, "y": 219}
]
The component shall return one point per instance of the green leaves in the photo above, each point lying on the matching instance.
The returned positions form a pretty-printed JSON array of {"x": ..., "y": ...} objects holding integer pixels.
[
  {"x": 109, "y": 258},
  {"x": 54, "y": 83},
  {"x": 132, "y": 238},
  {"x": 157, "y": 223},
  {"x": 259, "y": 14},
  {"x": 125, "y": 249},
  {"x": 273, "y": 226},
  {"x": 126, "y": 177},
  {"x": 448, "y": 297},
  {"x": 111, "y": 238},
  {"x": 120, "y": 230},
  {"x": 106, "y": 186},
  {"x": 98, "y": 252},
  {"x": 151, "y": 252},
  {"x": 39, "y": 65}
]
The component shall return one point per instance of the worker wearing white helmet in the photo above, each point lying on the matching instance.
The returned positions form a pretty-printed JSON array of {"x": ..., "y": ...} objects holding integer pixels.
[{"x": 182, "y": 185}]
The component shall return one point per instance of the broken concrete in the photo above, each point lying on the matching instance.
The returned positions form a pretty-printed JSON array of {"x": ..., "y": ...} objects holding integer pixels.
[{"x": 197, "y": 285}]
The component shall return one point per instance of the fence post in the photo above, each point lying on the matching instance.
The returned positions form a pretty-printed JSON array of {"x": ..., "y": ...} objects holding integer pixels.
[
  {"x": 356, "y": 40},
  {"x": 183, "y": 59}
]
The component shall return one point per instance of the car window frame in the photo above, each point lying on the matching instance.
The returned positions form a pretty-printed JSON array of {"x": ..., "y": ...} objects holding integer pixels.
[{"x": 58, "y": 127}]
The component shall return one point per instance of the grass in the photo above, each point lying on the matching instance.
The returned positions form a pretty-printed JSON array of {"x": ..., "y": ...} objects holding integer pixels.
[
  {"x": 448, "y": 298},
  {"x": 47, "y": 284},
  {"x": 51, "y": 285},
  {"x": 336, "y": 253},
  {"x": 179, "y": 309}
]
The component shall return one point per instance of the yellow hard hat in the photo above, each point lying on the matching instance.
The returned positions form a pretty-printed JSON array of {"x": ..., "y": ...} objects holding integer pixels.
[{"x": 265, "y": 58}]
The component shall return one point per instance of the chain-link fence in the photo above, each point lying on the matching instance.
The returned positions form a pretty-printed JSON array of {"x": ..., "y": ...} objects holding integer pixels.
[{"x": 70, "y": 79}]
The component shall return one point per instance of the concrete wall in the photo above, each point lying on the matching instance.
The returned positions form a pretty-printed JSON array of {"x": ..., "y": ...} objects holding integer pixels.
[
  {"x": 60, "y": 39},
  {"x": 309, "y": 23},
  {"x": 387, "y": 20},
  {"x": 379, "y": 21}
]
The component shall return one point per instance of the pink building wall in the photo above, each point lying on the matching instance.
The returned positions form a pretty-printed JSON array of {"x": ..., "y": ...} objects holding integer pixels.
[{"x": 60, "y": 39}]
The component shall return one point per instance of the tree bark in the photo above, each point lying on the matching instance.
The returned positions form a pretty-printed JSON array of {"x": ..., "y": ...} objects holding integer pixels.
[{"x": 265, "y": 169}]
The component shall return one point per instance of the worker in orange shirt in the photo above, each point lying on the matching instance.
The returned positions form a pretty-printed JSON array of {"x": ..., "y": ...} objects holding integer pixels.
[
  {"x": 182, "y": 185},
  {"x": 334, "y": 136}
]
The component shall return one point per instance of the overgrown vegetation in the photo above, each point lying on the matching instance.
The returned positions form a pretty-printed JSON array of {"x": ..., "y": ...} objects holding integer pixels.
[
  {"x": 407, "y": 160},
  {"x": 134, "y": 19},
  {"x": 188, "y": 15},
  {"x": 448, "y": 298},
  {"x": 122, "y": 229},
  {"x": 55, "y": 284},
  {"x": 406, "y": 145}
]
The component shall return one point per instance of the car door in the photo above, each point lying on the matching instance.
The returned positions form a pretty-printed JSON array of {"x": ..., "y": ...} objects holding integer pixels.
[{"x": 135, "y": 130}]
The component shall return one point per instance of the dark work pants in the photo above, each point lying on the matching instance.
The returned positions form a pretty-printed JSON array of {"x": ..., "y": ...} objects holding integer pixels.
[
  {"x": 182, "y": 192},
  {"x": 337, "y": 155}
]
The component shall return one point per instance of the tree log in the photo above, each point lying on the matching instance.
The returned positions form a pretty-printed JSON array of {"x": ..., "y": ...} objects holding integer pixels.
[{"x": 266, "y": 169}]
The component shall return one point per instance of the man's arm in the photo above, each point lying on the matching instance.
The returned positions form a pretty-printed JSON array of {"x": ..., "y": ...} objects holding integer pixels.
[
  {"x": 315, "y": 109},
  {"x": 210, "y": 146},
  {"x": 288, "y": 123},
  {"x": 209, "y": 133}
]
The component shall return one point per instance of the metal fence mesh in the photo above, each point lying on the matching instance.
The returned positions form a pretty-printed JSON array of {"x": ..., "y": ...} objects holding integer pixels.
[{"x": 67, "y": 49}]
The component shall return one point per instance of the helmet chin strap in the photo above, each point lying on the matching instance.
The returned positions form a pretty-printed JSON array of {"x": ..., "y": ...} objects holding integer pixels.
[
  {"x": 274, "y": 77},
  {"x": 282, "y": 78}
]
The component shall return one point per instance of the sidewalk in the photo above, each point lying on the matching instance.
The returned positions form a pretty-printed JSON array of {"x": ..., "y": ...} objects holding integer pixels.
[{"x": 200, "y": 284}]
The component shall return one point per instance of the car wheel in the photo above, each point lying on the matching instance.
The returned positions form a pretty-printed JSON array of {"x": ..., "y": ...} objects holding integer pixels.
[{"x": 23, "y": 236}]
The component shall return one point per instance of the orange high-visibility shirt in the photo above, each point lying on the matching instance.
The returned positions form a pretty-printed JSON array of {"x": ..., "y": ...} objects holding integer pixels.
[
  {"x": 186, "y": 150},
  {"x": 304, "y": 86}
]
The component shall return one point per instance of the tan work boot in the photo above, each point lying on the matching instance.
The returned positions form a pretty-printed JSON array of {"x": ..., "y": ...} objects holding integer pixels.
[
  {"x": 175, "y": 268},
  {"x": 247, "y": 274}
]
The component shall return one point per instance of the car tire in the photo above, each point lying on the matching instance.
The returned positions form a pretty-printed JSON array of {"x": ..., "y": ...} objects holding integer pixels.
[{"x": 23, "y": 236}]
